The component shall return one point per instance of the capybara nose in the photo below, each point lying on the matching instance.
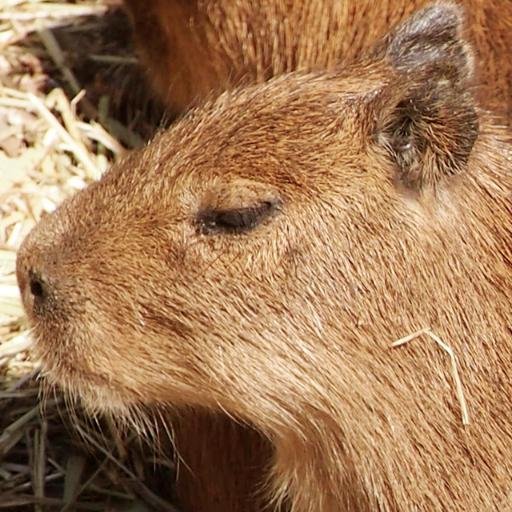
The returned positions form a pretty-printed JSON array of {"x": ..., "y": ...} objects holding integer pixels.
[
  {"x": 34, "y": 286},
  {"x": 38, "y": 286}
]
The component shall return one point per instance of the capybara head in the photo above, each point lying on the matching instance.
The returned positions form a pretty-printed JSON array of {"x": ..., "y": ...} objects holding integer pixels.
[
  {"x": 267, "y": 248},
  {"x": 193, "y": 271}
]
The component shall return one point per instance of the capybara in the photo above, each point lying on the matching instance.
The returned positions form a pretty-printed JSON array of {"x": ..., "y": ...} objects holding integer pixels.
[
  {"x": 193, "y": 47},
  {"x": 249, "y": 269}
]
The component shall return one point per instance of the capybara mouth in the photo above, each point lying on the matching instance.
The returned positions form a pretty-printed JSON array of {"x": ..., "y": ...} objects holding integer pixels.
[
  {"x": 61, "y": 367},
  {"x": 94, "y": 391},
  {"x": 61, "y": 372}
]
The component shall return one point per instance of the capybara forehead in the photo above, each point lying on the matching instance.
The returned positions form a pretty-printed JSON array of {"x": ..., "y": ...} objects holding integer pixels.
[{"x": 288, "y": 133}]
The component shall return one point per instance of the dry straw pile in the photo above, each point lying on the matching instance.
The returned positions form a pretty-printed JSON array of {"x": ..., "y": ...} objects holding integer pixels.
[{"x": 71, "y": 102}]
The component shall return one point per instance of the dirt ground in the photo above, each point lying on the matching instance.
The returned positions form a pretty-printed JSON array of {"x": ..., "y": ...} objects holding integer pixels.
[{"x": 72, "y": 100}]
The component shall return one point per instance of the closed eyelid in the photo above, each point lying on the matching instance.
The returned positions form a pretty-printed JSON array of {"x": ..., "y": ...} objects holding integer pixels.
[{"x": 236, "y": 220}]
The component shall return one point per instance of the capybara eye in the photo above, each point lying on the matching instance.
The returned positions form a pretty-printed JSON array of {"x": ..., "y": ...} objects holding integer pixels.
[{"x": 236, "y": 220}]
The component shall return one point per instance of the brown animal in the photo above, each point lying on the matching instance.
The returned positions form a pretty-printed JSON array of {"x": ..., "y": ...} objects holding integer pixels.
[
  {"x": 251, "y": 266},
  {"x": 193, "y": 47}
]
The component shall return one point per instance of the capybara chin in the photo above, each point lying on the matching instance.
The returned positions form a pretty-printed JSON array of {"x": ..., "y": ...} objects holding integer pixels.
[
  {"x": 254, "y": 263},
  {"x": 190, "y": 48}
]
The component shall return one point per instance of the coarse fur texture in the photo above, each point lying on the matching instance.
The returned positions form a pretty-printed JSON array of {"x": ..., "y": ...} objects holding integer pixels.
[
  {"x": 251, "y": 266},
  {"x": 193, "y": 47}
]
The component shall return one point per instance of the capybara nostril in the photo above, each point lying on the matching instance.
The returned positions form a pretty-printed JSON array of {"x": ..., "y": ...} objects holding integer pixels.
[
  {"x": 38, "y": 286},
  {"x": 34, "y": 285}
]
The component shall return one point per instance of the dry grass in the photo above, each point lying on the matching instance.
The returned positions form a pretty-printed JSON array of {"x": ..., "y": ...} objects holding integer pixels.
[
  {"x": 453, "y": 360},
  {"x": 71, "y": 102}
]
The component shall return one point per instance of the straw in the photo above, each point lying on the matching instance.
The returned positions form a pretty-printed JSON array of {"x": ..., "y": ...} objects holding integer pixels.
[{"x": 453, "y": 359}]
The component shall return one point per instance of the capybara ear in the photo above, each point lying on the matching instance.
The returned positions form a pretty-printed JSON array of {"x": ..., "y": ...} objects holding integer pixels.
[
  {"x": 431, "y": 37},
  {"x": 427, "y": 116}
]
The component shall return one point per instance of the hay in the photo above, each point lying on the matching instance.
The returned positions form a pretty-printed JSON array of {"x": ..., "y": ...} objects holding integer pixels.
[
  {"x": 55, "y": 139},
  {"x": 453, "y": 359}
]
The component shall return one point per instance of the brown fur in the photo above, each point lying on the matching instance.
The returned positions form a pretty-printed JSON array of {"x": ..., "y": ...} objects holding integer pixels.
[
  {"x": 191, "y": 47},
  {"x": 376, "y": 201}
]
